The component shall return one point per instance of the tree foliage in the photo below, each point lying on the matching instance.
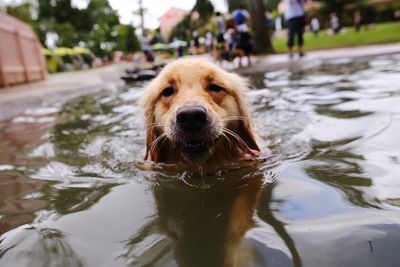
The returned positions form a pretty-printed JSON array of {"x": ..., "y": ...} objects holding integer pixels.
[
  {"x": 126, "y": 39},
  {"x": 235, "y": 4},
  {"x": 96, "y": 27},
  {"x": 271, "y": 5},
  {"x": 205, "y": 9},
  {"x": 338, "y": 6},
  {"x": 22, "y": 12},
  {"x": 183, "y": 30}
]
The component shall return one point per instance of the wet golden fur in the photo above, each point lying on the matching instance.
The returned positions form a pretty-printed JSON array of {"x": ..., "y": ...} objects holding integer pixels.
[{"x": 190, "y": 80}]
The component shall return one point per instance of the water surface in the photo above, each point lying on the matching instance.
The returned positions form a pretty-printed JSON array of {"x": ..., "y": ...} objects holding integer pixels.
[{"x": 74, "y": 192}]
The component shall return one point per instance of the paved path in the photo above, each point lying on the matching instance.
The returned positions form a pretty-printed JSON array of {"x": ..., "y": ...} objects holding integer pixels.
[
  {"x": 315, "y": 58},
  {"x": 63, "y": 86},
  {"x": 58, "y": 87}
]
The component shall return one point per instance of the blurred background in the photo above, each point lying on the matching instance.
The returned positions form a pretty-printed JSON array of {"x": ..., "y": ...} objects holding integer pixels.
[{"x": 81, "y": 34}]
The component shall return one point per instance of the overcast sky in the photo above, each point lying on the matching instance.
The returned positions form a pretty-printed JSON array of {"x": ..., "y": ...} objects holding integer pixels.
[
  {"x": 125, "y": 8},
  {"x": 155, "y": 8}
]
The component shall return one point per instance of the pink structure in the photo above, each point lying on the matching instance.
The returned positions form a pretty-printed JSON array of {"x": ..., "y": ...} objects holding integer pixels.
[
  {"x": 21, "y": 59},
  {"x": 169, "y": 20}
]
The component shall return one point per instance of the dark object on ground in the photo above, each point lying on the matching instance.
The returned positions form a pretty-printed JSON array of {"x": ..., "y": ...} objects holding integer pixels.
[
  {"x": 142, "y": 75},
  {"x": 155, "y": 67}
]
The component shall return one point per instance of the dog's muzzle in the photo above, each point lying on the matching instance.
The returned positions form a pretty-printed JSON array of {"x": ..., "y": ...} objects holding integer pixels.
[
  {"x": 192, "y": 118},
  {"x": 193, "y": 132}
]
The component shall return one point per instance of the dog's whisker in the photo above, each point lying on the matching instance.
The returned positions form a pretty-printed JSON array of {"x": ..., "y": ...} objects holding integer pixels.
[
  {"x": 234, "y": 135},
  {"x": 154, "y": 125},
  {"x": 234, "y": 118},
  {"x": 162, "y": 142},
  {"x": 227, "y": 138},
  {"x": 238, "y": 138},
  {"x": 153, "y": 145},
  {"x": 231, "y": 133}
]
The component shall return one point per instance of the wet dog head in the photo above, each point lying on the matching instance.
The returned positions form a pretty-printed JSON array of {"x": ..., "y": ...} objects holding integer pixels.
[{"x": 196, "y": 111}]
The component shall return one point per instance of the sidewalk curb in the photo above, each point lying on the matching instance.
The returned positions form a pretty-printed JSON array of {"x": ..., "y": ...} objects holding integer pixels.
[{"x": 314, "y": 59}]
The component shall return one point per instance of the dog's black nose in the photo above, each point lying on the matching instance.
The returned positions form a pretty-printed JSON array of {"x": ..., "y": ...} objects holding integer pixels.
[{"x": 191, "y": 118}]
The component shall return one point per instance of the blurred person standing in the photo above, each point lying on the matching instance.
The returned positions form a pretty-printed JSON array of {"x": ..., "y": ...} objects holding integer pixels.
[
  {"x": 209, "y": 42},
  {"x": 195, "y": 43},
  {"x": 177, "y": 45},
  {"x": 269, "y": 20},
  {"x": 315, "y": 26},
  {"x": 357, "y": 21},
  {"x": 278, "y": 24},
  {"x": 220, "y": 21},
  {"x": 229, "y": 36},
  {"x": 242, "y": 37},
  {"x": 295, "y": 17},
  {"x": 240, "y": 16},
  {"x": 397, "y": 14},
  {"x": 145, "y": 45},
  {"x": 334, "y": 23},
  {"x": 220, "y": 31}
]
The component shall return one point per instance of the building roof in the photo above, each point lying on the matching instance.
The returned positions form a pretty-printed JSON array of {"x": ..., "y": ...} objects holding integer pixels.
[{"x": 172, "y": 11}]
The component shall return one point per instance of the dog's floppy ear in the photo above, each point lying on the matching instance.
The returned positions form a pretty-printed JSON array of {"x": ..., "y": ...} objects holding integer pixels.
[
  {"x": 147, "y": 102},
  {"x": 244, "y": 130},
  {"x": 151, "y": 136},
  {"x": 246, "y": 133}
]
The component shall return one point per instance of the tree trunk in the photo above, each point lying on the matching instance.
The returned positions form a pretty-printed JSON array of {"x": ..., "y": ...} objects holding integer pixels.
[{"x": 261, "y": 34}]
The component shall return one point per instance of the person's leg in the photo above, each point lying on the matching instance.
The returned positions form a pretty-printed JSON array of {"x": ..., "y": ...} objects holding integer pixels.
[
  {"x": 248, "y": 47},
  {"x": 291, "y": 33},
  {"x": 300, "y": 32}
]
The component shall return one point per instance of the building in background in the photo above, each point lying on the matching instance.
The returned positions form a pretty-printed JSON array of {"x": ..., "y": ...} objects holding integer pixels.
[
  {"x": 21, "y": 59},
  {"x": 170, "y": 19}
]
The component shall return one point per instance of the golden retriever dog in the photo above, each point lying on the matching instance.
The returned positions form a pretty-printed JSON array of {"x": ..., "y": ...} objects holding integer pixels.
[{"x": 196, "y": 113}]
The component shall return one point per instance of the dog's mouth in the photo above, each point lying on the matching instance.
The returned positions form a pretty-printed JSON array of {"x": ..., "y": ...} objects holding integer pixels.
[{"x": 196, "y": 150}]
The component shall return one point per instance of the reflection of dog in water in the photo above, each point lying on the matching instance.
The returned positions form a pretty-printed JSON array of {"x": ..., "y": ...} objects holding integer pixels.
[
  {"x": 196, "y": 228},
  {"x": 196, "y": 113},
  {"x": 199, "y": 227},
  {"x": 205, "y": 228}
]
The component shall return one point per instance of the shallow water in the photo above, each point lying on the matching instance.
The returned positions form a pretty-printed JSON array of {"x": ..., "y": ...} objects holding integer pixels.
[{"x": 74, "y": 192}]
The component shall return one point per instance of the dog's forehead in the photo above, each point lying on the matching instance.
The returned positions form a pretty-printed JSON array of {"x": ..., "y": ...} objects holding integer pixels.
[{"x": 196, "y": 71}]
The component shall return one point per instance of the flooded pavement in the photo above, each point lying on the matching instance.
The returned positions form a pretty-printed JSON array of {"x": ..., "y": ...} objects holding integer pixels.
[{"x": 74, "y": 190}]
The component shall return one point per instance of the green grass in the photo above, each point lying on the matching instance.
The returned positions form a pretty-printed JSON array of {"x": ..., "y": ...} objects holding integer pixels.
[{"x": 379, "y": 34}]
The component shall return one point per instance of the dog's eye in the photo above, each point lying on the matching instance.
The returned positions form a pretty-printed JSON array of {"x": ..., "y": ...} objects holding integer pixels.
[
  {"x": 168, "y": 91},
  {"x": 215, "y": 88}
]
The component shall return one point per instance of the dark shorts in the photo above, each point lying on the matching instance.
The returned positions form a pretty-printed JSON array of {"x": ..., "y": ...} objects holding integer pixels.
[
  {"x": 243, "y": 41},
  {"x": 296, "y": 29}
]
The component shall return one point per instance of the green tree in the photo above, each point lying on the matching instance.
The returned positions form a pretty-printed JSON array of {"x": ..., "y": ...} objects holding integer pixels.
[
  {"x": 101, "y": 38},
  {"x": 205, "y": 9},
  {"x": 338, "y": 6},
  {"x": 127, "y": 40},
  {"x": 235, "y": 4},
  {"x": 97, "y": 26},
  {"x": 22, "y": 12},
  {"x": 271, "y": 5},
  {"x": 261, "y": 36},
  {"x": 182, "y": 30},
  {"x": 67, "y": 35}
]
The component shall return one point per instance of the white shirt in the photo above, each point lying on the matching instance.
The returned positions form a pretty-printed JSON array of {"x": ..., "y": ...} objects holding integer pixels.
[
  {"x": 294, "y": 8},
  {"x": 315, "y": 24}
]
